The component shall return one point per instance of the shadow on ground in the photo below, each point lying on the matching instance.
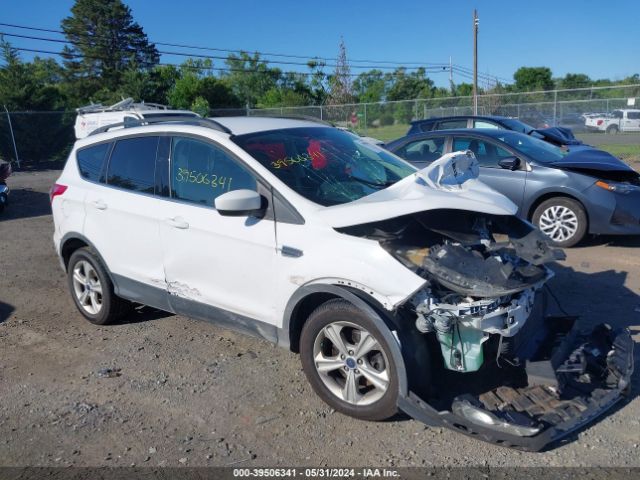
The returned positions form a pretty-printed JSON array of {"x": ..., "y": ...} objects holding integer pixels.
[{"x": 26, "y": 203}]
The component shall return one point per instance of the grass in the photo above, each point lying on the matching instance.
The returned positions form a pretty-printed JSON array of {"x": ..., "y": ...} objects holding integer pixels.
[
  {"x": 390, "y": 132},
  {"x": 628, "y": 153}
]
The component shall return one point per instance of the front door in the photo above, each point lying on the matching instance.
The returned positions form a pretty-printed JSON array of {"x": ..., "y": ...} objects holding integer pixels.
[
  {"x": 510, "y": 183},
  {"x": 215, "y": 265}
]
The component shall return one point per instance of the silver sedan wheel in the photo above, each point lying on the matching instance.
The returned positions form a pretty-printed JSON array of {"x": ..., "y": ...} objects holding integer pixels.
[
  {"x": 351, "y": 363},
  {"x": 87, "y": 287},
  {"x": 559, "y": 223}
]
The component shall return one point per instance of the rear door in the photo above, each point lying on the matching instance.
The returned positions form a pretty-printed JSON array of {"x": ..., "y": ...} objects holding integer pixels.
[
  {"x": 216, "y": 266},
  {"x": 509, "y": 183},
  {"x": 123, "y": 217}
]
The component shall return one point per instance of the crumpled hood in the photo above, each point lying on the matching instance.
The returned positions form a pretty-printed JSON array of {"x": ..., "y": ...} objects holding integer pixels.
[
  {"x": 558, "y": 135},
  {"x": 419, "y": 192},
  {"x": 592, "y": 159}
]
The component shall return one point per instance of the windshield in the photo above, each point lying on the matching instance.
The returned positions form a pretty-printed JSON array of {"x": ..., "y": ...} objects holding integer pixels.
[
  {"x": 517, "y": 125},
  {"x": 536, "y": 149},
  {"x": 325, "y": 165}
]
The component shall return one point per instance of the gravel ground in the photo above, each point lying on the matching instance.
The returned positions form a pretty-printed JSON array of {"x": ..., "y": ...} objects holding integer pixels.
[{"x": 183, "y": 392}]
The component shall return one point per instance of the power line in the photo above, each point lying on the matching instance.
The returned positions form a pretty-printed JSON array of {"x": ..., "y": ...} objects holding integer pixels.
[
  {"x": 195, "y": 55},
  {"x": 269, "y": 54},
  {"x": 195, "y": 67}
]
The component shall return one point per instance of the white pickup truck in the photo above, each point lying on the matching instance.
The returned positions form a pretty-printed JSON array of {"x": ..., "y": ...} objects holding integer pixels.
[{"x": 624, "y": 120}]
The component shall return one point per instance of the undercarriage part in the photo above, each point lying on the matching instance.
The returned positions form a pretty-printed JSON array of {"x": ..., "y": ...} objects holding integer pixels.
[{"x": 505, "y": 408}]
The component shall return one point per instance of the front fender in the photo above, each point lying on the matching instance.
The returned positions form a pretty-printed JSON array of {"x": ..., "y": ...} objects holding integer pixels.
[{"x": 382, "y": 319}]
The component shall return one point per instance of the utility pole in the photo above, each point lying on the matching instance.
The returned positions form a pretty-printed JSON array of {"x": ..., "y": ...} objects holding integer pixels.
[
  {"x": 451, "y": 76},
  {"x": 475, "y": 61},
  {"x": 13, "y": 138}
]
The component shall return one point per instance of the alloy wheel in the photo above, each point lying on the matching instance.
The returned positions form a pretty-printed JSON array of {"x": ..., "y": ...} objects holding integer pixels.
[
  {"x": 87, "y": 287},
  {"x": 351, "y": 363},
  {"x": 559, "y": 223}
]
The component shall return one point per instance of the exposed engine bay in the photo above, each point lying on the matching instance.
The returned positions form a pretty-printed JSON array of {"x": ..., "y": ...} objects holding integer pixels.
[
  {"x": 483, "y": 272},
  {"x": 498, "y": 366}
]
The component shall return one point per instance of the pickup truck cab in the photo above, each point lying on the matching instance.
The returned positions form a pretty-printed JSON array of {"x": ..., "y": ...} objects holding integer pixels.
[{"x": 624, "y": 120}]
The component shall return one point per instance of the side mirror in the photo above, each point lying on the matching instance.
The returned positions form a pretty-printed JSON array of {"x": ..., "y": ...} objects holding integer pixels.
[
  {"x": 239, "y": 203},
  {"x": 510, "y": 163}
]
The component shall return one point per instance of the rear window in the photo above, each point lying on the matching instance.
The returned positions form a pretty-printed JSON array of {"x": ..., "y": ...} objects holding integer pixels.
[
  {"x": 132, "y": 164},
  {"x": 91, "y": 161}
]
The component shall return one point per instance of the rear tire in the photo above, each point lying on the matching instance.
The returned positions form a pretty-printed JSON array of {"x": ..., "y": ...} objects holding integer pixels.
[
  {"x": 4, "y": 199},
  {"x": 348, "y": 363},
  {"x": 92, "y": 289},
  {"x": 563, "y": 220},
  {"x": 612, "y": 130}
]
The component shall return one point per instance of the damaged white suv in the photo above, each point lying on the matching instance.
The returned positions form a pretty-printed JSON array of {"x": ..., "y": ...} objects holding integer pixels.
[{"x": 401, "y": 289}]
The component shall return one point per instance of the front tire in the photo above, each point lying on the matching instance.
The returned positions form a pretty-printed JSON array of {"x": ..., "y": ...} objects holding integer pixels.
[
  {"x": 92, "y": 290},
  {"x": 563, "y": 220},
  {"x": 348, "y": 363}
]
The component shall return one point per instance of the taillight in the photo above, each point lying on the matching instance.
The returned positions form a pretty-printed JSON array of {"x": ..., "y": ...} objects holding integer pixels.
[
  {"x": 600, "y": 122},
  {"x": 56, "y": 190}
]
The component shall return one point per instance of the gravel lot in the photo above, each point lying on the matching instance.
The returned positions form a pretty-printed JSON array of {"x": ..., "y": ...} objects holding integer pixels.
[{"x": 190, "y": 393}]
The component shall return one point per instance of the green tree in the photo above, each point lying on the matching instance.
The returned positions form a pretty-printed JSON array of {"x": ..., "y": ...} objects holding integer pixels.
[
  {"x": 574, "y": 80},
  {"x": 249, "y": 77},
  {"x": 105, "y": 43},
  {"x": 370, "y": 86},
  {"x": 529, "y": 79},
  {"x": 33, "y": 87}
]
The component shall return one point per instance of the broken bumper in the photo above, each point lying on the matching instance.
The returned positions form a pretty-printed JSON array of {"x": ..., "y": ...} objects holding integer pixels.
[{"x": 497, "y": 415}]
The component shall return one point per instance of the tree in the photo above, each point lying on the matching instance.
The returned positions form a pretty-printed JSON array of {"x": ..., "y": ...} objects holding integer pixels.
[
  {"x": 575, "y": 80},
  {"x": 370, "y": 86},
  {"x": 340, "y": 89},
  {"x": 529, "y": 79},
  {"x": 32, "y": 86},
  {"x": 106, "y": 42},
  {"x": 250, "y": 78},
  {"x": 196, "y": 87}
]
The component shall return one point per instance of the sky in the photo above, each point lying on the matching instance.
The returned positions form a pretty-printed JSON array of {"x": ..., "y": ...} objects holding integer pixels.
[{"x": 599, "y": 38}]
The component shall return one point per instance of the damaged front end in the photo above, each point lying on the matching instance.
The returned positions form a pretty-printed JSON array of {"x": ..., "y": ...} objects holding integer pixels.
[{"x": 498, "y": 367}]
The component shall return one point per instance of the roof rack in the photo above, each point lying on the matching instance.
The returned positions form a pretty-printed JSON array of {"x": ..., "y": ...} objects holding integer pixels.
[
  {"x": 124, "y": 104},
  {"x": 135, "y": 122}
]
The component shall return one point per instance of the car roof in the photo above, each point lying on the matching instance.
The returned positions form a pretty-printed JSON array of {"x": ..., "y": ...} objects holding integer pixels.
[
  {"x": 244, "y": 125},
  {"x": 228, "y": 125},
  {"x": 460, "y": 117}
]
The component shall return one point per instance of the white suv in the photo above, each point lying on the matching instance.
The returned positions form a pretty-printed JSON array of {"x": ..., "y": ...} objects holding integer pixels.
[{"x": 418, "y": 290}]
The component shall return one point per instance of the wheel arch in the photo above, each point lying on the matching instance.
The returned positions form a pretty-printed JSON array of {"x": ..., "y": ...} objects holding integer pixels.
[
  {"x": 549, "y": 195},
  {"x": 309, "y": 297},
  {"x": 73, "y": 241}
]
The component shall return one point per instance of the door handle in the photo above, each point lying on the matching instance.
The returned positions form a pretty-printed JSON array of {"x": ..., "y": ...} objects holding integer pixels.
[
  {"x": 178, "y": 222},
  {"x": 99, "y": 204}
]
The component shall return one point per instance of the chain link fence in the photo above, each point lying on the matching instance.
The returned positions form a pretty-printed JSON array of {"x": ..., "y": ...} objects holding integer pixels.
[{"x": 48, "y": 136}]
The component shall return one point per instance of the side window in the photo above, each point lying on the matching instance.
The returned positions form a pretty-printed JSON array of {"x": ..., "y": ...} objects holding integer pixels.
[
  {"x": 633, "y": 115},
  {"x": 484, "y": 124},
  {"x": 133, "y": 163},
  {"x": 487, "y": 153},
  {"x": 91, "y": 161},
  {"x": 200, "y": 172},
  {"x": 617, "y": 114},
  {"x": 426, "y": 150},
  {"x": 451, "y": 124}
]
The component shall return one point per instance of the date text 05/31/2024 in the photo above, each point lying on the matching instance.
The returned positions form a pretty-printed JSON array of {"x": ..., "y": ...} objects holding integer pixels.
[{"x": 315, "y": 472}]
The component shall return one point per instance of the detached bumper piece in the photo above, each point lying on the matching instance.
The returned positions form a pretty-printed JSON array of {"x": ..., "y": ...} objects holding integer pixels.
[{"x": 571, "y": 380}]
